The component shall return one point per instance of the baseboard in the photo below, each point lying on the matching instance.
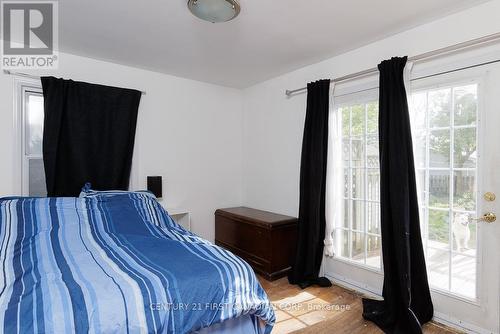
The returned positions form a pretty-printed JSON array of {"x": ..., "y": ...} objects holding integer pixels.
[
  {"x": 371, "y": 292},
  {"x": 350, "y": 284},
  {"x": 459, "y": 324}
]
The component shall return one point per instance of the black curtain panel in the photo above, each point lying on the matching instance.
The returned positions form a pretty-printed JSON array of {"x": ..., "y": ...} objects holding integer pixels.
[
  {"x": 407, "y": 303},
  {"x": 89, "y": 133},
  {"x": 311, "y": 225}
]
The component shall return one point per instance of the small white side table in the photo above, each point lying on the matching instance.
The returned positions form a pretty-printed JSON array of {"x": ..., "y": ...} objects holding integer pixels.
[{"x": 181, "y": 217}]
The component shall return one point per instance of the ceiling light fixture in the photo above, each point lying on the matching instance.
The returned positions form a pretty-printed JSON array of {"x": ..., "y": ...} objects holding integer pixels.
[{"x": 214, "y": 10}]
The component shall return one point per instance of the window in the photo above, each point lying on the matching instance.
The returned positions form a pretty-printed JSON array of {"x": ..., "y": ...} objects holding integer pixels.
[
  {"x": 358, "y": 232},
  {"x": 29, "y": 121},
  {"x": 444, "y": 129},
  {"x": 33, "y": 174}
]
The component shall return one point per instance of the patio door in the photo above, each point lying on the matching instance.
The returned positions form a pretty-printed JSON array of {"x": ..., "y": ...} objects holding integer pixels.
[
  {"x": 456, "y": 135},
  {"x": 455, "y": 121}
]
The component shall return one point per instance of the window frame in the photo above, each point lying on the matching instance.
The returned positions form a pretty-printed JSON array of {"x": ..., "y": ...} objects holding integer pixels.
[
  {"x": 20, "y": 182},
  {"x": 368, "y": 94},
  {"x": 451, "y": 81},
  {"x": 358, "y": 94},
  {"x": 26, "y": 156},
  {"x": 21, "y": 160}
]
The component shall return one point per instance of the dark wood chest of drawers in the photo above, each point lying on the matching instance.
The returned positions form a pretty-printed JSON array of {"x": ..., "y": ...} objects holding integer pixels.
[{"x": 264, "y": 239}]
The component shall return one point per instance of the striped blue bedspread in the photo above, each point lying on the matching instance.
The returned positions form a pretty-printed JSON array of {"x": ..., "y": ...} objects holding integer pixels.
[{"x": 116, "y": 263}]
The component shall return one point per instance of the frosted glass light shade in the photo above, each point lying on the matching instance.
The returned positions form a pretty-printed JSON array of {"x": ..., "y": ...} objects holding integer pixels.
[{"x": 214, "y": 10}]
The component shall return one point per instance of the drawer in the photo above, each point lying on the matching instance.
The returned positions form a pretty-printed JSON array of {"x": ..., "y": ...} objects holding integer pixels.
[
  {"x": 259, "y": 265},
  {"x": 249, "y": 238}
]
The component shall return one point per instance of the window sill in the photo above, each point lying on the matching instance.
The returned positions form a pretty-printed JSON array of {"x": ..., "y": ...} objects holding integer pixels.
[{"x": 355, "y": 264}]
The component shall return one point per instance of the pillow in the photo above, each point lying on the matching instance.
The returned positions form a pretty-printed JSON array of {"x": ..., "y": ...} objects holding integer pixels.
[{"x": 87, "y": 191}]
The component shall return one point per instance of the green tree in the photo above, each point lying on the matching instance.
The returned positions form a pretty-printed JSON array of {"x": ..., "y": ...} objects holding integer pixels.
[{"x": 464, "y": 147}]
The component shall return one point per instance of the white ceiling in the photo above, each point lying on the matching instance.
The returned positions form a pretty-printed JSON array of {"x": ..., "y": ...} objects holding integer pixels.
[{"x": 268, "y": 38}]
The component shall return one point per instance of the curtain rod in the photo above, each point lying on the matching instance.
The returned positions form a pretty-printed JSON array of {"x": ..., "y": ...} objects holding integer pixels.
[
  {"x": 431, "y": 54},
  {"x": 36, "y": 77}
]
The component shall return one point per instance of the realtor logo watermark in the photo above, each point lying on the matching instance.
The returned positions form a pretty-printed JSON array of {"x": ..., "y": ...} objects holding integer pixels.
[{"x": 29, "y": 34}]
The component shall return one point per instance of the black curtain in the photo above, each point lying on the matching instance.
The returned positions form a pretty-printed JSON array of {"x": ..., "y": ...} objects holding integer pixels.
[
  {"x": 311, "y": 225},
  {"x": 89, "y": 133},
  {"x": 407, "y": 301}
]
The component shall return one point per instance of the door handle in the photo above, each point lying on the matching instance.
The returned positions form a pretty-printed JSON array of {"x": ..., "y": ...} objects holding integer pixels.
[
  {"x": 488, "y": 217},
  {"x": 489, "y": 196}
]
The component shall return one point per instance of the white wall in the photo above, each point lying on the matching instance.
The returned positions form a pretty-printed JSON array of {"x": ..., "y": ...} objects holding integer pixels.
[
  {"x": 188, "y": 131},
  {"x": 273, "y": 123}
]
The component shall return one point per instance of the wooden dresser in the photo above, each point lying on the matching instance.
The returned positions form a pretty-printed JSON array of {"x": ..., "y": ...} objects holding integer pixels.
[{"x": 264, "y": 239}]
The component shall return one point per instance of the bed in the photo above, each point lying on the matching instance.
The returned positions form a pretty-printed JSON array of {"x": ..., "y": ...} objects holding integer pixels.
[{"x": 115, "y": 262}]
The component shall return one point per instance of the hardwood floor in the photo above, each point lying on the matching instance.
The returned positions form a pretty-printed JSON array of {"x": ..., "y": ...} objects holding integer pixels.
[{"x": 322, "y": 310}]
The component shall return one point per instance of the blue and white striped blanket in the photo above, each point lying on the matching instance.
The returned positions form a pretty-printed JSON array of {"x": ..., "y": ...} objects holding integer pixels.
[{"x": 115, "y": 263}]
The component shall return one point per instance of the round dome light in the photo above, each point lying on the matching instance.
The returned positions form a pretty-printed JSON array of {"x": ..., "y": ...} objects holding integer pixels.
[{"x": 214, "y": 10}]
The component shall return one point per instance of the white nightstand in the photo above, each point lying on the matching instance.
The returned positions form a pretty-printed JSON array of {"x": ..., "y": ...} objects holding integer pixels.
[{"x": 181, "y": 217}]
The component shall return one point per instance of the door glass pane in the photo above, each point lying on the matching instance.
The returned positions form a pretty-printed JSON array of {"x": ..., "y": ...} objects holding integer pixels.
[
  {"x": 464, "y": 233},
  {"x": 346, "y": 182},
  {"x": 358, "y": 215},
  {"x": 423, "y": 216},
  {"x": 346, "y": 146},
  {"x": 346, "y": 213},
  {"x": 418, "y": 105},
  {"x": 447, "y": 183},
  {"x": 358, "y": 246},
  {"x": 372, "y": 118},
  {"x": 439, "y": 188},
  {"x": 438, "y": 266},
  {"x": 374, "y": 249},
  {"x": 372, "y": 152},
  {"x": 345, "y": 121},
  {"x": 419, "y": 148},
  {"x": 439, "y": 148},
  {"x": 358, "y": 183},
  {"x": 373, "y": 218},
  {"x": 358, "y": 152},
  {"x": 34, "y": 124},
  {"x": 439, "y": 232},
  {"x": 343, "y": 242},
  {"x": 463, "y": 273},
  {"x": 465, "y": 155},
  {"x": 421, "y": 182},
  {"x": 361, "y": 189},
  {"x": 465, "y": 98},
  {"x": 36, "y": 182},
  {"x": 439, "y": 103},
  {"x": 373, "y": 180},
  {"x": 358, "y": 120},
  {"x": 464, "y": 190}
]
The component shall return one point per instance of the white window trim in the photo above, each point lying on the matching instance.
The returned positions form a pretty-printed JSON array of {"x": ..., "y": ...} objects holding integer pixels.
[
  {"x": 20, "y": 187},
  {"x": 353, "y": 96},
  {"x": 453, "y": 80},
  {"x": 21, "y": 85}
]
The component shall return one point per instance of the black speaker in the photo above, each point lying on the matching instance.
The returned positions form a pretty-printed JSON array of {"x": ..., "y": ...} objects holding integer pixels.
[{"x": 155, "y": 185}]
